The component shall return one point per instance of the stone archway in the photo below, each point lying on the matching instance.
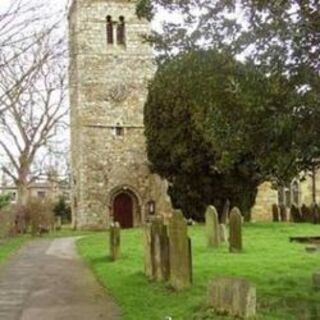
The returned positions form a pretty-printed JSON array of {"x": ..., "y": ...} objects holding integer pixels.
[{"x": 125, "y": 207}]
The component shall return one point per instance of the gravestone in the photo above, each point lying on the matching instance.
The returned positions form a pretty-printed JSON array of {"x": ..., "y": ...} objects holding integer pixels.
[
  {"x": 212, "y": 227},
  {"x": 275, "y": 213},
  {"x": 316, "y": 213},
  {"x": 235, "y": 297},
  {"x": 307, "y": 214},
  {"x": 316, "y": 280},
  {"x": 114, "y": 241},
  {"x": 283, "y": 213},
  {"x": 223, "y": 233},
  {"x": 148, "y": 254},
  {"x": 225, "y": 212},
  {"x": 295, "y": 214},
  {"x": 235, "y": 231},
  {"x": 58, "y": 223},
  {"x": 160, "y": 250},
  {"x": 180, "y": 252}
]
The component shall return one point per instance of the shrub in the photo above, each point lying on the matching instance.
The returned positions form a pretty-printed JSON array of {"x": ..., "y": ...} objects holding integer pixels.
[
  {"x": 6, "y": 222},
  {"x": 4, "y": 200},
  {"x": 39, "y": 215}
]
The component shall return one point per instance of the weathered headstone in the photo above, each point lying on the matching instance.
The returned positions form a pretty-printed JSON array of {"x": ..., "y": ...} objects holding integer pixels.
[
  {"x": 235, "y": 297},
  {"x": 307, "y": 214},
  {"x": 295, "y": 214},
  {"x": 283, "y": 212},
  {"x": 225, "y": 212},
  {"x": 58, "y": 223},
  {"x": 160, "y": 250},
  {"x": 180, "y": 252},
  {"x": 235, "y": 232},
  {"x": 212, "y": 227},
  {"x": 275, "y": 213},
  {"x": 148, "y": 252},
  {"x": 316, "y": 210},
  {"x": 114, "y": 241},
  {"x": 223, "y": 233},
  {"x": 316, "y": 280}
]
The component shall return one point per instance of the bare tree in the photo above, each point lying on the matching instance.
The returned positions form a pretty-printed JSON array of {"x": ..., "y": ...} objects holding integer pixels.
[
  {"x": 33, "y": 90},
  {"x": 19, "y": 21}
]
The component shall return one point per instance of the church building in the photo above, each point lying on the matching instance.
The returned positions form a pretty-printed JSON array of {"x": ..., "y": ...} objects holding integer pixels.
[{"x": 110, "y": 67}]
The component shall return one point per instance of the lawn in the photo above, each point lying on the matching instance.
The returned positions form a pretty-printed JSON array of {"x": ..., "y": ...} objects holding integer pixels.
[
  {"x": 281, "y": 271},
  {"x": 10, "y": 246}
]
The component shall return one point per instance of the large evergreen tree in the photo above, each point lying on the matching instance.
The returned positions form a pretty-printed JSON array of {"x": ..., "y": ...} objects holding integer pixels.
[{"x": 216, "y": 128}]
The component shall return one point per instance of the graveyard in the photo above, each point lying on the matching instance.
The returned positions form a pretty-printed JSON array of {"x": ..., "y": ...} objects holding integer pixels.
[{"x": 281, "y": 271}]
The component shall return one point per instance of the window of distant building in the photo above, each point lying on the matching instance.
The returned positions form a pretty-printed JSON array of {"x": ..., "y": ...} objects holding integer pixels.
[{"x": 41, "y": 194}]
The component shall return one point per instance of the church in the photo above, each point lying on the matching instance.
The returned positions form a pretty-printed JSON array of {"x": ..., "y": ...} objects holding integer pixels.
[{"x": 110, "y": 67}]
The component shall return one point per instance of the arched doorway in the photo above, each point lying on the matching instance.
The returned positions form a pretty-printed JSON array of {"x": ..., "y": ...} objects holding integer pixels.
[{"x": 123, "y": 210}]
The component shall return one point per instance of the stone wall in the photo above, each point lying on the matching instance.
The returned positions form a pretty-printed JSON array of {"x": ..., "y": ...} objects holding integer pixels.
[{"x": 108, "y": 91}]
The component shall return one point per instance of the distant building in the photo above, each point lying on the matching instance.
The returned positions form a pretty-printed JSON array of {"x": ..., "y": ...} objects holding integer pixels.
[{"x": 41, "y": 189}]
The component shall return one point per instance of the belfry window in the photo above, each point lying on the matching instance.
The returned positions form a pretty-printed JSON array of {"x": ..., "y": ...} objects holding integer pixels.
[
  {"x": 121, "y": 31},
  {"x": 109, "y": 30}
]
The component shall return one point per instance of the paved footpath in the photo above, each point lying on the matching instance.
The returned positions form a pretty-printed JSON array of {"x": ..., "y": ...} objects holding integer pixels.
[{"x": 46, "y": 280}]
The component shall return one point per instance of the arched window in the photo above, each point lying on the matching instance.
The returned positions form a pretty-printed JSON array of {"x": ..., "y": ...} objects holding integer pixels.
[
  {"x": 121, "y": 30},
  {"x": 109, "y": 30}
]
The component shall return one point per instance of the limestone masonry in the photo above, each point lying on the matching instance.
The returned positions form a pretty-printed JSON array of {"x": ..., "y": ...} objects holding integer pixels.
[{"x": 110, "y": 67}]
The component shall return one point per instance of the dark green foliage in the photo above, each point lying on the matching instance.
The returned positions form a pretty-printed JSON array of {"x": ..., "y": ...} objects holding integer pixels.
[
  {"x": 217, "y": 128},
  {"x": 283, "y": 38},
  {"x": 62, "y": 209},
  {"x": 5, "y": 200}
]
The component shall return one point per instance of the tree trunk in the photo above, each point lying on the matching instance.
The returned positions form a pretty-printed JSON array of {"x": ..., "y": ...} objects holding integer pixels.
[{"x": 22, "y": 193}]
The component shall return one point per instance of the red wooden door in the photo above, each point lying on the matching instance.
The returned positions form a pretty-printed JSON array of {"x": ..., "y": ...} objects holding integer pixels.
[{"x": 123, "y": 210}]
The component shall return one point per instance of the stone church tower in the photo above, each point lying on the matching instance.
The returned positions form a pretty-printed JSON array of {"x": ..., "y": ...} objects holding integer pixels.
[{"x": 110, "y": 67}]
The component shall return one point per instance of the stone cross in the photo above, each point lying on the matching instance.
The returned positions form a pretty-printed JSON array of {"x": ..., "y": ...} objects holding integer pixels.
[
  {"x": 114, "y": 241},
  {"x": 212, "y": 227},
  {"x": 235, "y": 239},
  {"x": 225, "y": 212},
  {"x": 180, "y": 252}
]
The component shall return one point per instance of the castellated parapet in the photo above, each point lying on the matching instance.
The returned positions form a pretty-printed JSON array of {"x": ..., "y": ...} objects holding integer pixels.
[{"x": 110, "y": 67}]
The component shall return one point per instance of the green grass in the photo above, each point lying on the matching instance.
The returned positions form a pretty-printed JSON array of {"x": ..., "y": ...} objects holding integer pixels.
[
  {"x": 281, "y": 271},
  {"x": 10, "y": 246}
]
